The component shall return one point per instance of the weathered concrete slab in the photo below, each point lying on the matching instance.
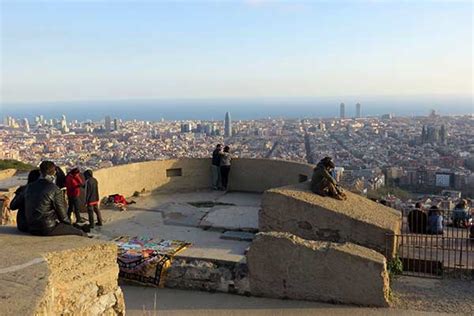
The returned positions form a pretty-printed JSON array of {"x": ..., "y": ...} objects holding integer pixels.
[
  {"x": 239, "y": 198},
  {"x": 282, "y": 265},
  {"x": 236, "y": 235},
  {"x": 182, "y": 214},
  {"x": 295, "y": 209},
  {"x": 232, "y": 218},
  {"x": 66, "y": 275}
]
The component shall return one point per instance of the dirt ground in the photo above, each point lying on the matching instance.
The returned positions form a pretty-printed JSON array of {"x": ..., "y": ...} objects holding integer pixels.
[{"x": 434, "y": 295}]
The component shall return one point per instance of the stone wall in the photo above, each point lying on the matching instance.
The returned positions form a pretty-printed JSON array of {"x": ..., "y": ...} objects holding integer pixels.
[
  {"x": 295, "y": 209},
  {"x": 65, "y": 275},
  {"x": 282, "y": 265},
  {"x": 7, "y": 173},
  {"x": 251, "y": 175}
]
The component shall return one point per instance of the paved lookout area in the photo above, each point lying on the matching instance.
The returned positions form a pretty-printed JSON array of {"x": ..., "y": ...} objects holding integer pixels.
[{"x": 203, "y": 218}]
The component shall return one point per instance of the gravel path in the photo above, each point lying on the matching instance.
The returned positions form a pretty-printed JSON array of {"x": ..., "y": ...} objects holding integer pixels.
[{"x": 434, "y": 295}]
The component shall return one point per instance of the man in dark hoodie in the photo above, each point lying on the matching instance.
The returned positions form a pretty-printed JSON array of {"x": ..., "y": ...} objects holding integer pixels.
[
  {"x": 92, "y": 198},
  {"x": 18, "y": 202},
  {"x": 45, "y": 207},
  {"x": 322, "y": 183}
]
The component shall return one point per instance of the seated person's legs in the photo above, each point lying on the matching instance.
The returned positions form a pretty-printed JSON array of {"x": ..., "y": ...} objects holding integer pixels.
[{"x": 65, "y": 229}]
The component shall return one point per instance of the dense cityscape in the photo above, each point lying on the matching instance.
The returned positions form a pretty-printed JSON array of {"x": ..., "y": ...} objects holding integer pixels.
[{"x": 423, "y": 154}]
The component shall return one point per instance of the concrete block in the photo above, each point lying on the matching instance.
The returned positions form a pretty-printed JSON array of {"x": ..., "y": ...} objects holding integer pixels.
[
  {"x": 297, "y": 210},
  {"x": 282, "y": 265},
  {"x": 65, "y": 275}
]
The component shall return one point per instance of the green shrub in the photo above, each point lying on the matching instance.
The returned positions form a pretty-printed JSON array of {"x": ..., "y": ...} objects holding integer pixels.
[
  {"x": 15, "y": 164},
  {"x": 394, "y": 267}
]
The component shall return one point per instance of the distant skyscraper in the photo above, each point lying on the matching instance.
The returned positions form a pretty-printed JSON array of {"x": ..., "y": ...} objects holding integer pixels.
[
  {"x": 26, "y": 125},
  {"x": 227, "y": 125},
  {"x": 342, "y": 110},
  {"x": 108, "y": 123},
  {"x": 116, "y": 124},
  {"x": 358, "y": 110}
]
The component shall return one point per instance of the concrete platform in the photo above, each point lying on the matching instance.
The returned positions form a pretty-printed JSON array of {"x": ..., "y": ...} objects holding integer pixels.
[
  {"x": 169, "y": 216},
  {"x": 239, "y": 217}
]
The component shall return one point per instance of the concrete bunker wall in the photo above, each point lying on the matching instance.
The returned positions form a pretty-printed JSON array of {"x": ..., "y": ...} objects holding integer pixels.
[
  {"x": 189, "y": 174},
  {"x": 7, "y": 173},
  {"x": 58, "y": 276},
  {"x": 282, "y": 265},
  {"x": 295, "y": 209}
]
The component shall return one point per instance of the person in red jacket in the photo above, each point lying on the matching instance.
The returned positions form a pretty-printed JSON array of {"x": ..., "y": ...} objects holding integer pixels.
[{"x": 74, "y": 183}]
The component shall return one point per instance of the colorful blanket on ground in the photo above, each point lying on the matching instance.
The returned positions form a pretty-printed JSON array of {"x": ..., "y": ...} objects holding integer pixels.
[{"x": 144, "y": 259}]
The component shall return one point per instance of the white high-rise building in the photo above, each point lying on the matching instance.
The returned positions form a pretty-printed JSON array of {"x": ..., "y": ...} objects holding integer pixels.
[{"x": 358, "y": 110}]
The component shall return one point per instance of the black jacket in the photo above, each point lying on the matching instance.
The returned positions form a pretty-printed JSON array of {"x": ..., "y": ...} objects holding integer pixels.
[
  {"x": 92, "y": 190},
  {"x": 44, "y": 206},
  {"x": 216, "y": 158},
  {"x": 18, "y": 203}
]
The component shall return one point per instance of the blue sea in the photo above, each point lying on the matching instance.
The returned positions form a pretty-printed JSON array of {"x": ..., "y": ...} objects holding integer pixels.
[{"x": 240, "y": 109}]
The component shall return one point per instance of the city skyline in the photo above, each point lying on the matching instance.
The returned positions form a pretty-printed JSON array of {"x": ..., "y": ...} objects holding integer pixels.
[{"x": 227, "y": 50}]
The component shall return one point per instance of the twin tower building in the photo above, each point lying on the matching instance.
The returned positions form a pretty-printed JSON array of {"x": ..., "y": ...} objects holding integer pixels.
[{"x": 342, "y": 110}]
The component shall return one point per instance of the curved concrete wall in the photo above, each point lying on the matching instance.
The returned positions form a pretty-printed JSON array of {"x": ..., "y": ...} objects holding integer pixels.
[
  {"x": 251, "y": 175},
  {"x": 7, "y": 173}
]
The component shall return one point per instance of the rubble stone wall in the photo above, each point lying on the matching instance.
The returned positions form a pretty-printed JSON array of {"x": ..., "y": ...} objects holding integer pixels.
[
  {"x": 295, "y": 209},
  {"x": 69, "y": 275},
  {"x": 208, "y": 275},
  {"x": 251, "y": 175},
  {"x": 282, "y": 265}
]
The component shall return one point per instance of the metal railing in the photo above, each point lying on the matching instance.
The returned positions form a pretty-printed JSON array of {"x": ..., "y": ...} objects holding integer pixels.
[{"x": 450, "y": 254}]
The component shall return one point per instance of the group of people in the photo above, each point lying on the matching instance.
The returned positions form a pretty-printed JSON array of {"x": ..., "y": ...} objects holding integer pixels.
[
  {"x": 221, "y": 161},
  {"x": 432, "y": 222},
  {"x": 42, "y": 207}
]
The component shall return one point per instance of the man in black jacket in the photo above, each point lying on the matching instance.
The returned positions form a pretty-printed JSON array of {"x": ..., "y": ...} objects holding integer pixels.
[
  {"x": 18, "y": 202},
  {"x": 216, "y": 171},
  {"x": 45, "y": 207}
]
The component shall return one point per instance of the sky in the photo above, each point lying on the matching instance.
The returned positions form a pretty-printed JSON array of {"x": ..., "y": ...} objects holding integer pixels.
[{"x": 121, "y": 50}]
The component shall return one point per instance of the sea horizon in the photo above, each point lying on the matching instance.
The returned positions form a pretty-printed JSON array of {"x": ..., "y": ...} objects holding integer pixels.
[{"x": 240, "y": 108}]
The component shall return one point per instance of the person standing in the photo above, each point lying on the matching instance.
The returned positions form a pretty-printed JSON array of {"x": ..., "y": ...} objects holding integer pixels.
[
  {"x": 92, "y": 199},
  {"x": 225, "y": 159},
  {"x": 74, "y": 183},
  {"x": 45, "y": 207},
  {"x": 216, "y": 167}
]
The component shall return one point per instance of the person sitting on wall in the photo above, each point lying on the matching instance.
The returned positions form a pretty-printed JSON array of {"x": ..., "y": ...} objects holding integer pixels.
[
  {"x": 435, "y": 221},
  {"x": 417, "y": 219},
  {"x": 461, "y": 214},
  {"x": 322, "y": 183},
  {"x": 45, "y": 206},
  {"x": 18, "y": 202}
]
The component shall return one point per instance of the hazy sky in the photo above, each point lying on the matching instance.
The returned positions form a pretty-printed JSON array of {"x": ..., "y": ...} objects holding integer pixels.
[{"x": 73, "y": 50}]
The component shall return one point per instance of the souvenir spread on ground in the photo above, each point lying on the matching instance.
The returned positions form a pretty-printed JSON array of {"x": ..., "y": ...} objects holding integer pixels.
[{"x": 144, "y": 259}]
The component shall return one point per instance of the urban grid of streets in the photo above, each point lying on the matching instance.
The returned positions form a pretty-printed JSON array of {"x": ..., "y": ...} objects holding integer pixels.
[{"x": 373, "y": 143}]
